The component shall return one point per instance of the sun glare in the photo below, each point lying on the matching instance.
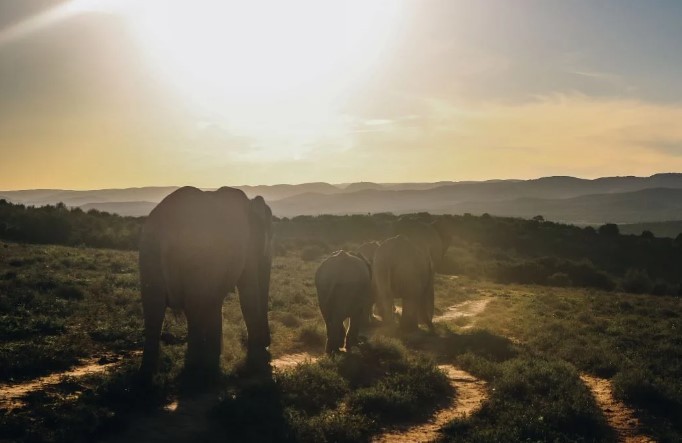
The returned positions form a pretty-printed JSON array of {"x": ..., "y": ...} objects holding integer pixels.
[{"x": 264, "y": 67}]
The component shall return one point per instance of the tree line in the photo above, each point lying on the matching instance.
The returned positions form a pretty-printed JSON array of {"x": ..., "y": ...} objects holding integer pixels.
[{"x": 498, "y": 248}]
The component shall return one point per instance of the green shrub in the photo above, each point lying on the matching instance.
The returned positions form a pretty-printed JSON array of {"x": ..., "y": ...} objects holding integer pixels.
[
  {"x": 312, "y": 387},
  {"x": 637, "y": 281},
  {"x": 560, "y": 279}
]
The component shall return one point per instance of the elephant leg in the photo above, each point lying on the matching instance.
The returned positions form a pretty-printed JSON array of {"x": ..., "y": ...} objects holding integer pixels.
[
  {"x": 427, "y": 307},
  {"x": 335, "y": 336},
  {"x": 154, "y": 309},
  {"x": 408, "y": 320},
  {"x": 195, "y": 338},
  {"x": 213, "y": 335},
  {"x": 357, "y": 321},
  {"x": 386, "y": 309},
  {"x": 255, "y": 314}
]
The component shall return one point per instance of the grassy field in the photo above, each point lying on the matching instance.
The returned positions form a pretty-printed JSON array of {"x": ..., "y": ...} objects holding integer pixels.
[{"x": 60, "y": 305}]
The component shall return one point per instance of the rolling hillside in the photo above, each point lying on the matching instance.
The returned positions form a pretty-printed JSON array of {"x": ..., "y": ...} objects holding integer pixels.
[{"x": 567, "y": 199}]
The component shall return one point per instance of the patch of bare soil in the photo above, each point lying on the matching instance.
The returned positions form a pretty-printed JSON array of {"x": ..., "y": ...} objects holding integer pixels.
[
  {"x": 289, "y": 361},
  {"x": 11, "y": 394},
  {"x": 620, "y": 417},
  {"x": 471, "y": 392},
  {"x": 469, "y": 308}
]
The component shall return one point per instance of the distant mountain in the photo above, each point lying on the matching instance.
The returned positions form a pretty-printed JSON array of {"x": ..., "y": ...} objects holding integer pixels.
[
  {"x": 134, "y": 209},
  {"x": 41, "y": 197},
  {"x": 624, "y": 207},
  {"x": 569, "y": 199},
  {"x": 362, "y": 186}
]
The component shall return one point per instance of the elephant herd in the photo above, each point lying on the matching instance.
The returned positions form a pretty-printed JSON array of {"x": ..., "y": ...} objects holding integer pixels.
[
  {"x": 197, "y": 246},
  {"x": 349, "y": 284}
]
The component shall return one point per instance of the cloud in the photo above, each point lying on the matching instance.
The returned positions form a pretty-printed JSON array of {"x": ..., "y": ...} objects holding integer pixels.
[{"x": 555, "y": 134}]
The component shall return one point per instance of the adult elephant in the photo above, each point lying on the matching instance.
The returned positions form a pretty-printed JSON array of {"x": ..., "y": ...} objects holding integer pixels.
[
  {"x": 343, "y": 283},
  {"x": 431, "y": 237},
  {"x": 196, "y": 247},
  {"x": 402, "y": 270},
  {"x": 367, "y": 250}
]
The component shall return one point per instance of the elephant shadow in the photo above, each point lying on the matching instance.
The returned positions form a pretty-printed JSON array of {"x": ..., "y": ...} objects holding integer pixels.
[
  {"x": 446, "y": 344},
  {"x": 242, "y": 405}
]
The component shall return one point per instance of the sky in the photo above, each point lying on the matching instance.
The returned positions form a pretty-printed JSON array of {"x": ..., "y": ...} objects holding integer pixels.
[{"x": 118, "y": 93}]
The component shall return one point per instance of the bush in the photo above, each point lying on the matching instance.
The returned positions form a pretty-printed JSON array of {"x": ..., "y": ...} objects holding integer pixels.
[
  {"x": 637, "y": 281},
  {"x": 312, "y": 387},
  {"x": 313, "y": 335},
  {"x": 560, "y": 279}
]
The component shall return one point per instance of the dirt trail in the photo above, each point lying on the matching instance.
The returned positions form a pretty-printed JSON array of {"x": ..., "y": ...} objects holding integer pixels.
[
  {"x": 290, "y": 360},
  {"x": 620, "y": 417},
  {"x": 469, "y": 308},
  {"x": 471, "y": 392},
  {"x": 11, "y": 394}
]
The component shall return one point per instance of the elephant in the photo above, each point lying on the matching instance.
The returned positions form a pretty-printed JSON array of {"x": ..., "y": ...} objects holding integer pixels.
[
  {"x": 195, "y": 248},
  {"x": 367, "y": 250},
  {"x": 402, "y": 270},
  {"x": 433, "y": 238},
  {"x": 343, "y": 283}
]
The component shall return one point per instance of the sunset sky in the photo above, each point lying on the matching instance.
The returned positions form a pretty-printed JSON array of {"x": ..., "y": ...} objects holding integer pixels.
[{"x": 100, "y": 94}]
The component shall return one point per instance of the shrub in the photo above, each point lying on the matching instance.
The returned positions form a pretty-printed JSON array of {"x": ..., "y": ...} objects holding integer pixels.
[
  {"x": 560, "y": 279},
  {"x": 637, "y": 281},
  {"x": 312, "y": 335},
  {"x": 312, "y": 387}
]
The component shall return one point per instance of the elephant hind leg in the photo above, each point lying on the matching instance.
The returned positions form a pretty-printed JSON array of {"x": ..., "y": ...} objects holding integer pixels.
[
  {"x": 408, "y": 320},
  {"x": 154, "y": 309},
  {"x": 427, "y": 307},
  {"x": 358, "y": 320},
  {"x": 336, "y": 334},
  {"x": 204, "y": 334}
]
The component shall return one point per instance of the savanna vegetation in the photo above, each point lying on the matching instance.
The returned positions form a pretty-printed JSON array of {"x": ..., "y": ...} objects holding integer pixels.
[
  {"x": 62, "y": 304},
  {"x": 504, "y": 250}
]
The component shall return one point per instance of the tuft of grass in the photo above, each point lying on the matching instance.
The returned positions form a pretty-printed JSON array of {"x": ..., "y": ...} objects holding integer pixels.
[
  {"x": 312, "y": 387},
  {"x": 312, "y": 335}
]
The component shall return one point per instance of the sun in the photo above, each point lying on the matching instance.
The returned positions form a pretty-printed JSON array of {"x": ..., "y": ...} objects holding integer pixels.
[{"x": 262, "y": 66}]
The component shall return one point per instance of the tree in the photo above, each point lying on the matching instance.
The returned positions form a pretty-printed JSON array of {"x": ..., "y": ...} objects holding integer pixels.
[{"x": 609, "y": 229}]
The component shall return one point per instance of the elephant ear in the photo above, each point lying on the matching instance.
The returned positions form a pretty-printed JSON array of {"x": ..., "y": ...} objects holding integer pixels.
[{"x": 260, "y": 216}]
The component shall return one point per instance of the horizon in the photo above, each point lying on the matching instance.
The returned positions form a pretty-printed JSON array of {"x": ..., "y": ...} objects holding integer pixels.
[
  {"x": 104, "y": 94},
  {"x": 345, "y": 183}
]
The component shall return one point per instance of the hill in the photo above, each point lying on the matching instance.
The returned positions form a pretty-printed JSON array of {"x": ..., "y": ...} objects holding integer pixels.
[{"x": 568, "y": 199}]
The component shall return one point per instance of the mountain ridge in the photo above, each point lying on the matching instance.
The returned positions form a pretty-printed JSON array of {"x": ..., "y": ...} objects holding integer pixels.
[{"x": 563, "y": 198}]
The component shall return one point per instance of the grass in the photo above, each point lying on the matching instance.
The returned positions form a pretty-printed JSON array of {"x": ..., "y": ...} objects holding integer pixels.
[
  {"x": 532, "y": 399},
  {"x": 60, "y": 304},
  {"x": 634, "y": 340},
  {"x": 341, "y": 399}
]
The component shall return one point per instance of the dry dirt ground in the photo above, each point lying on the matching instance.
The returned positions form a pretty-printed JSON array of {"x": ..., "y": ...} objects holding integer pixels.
[
  {"x": 470, "y": 395},
  {"x": 11, "y": 393},
  {"x": 621, "y": 418}
]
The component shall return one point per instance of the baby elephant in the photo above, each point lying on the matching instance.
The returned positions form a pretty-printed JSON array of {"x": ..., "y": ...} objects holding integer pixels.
[{"x": 343, "y": 284}]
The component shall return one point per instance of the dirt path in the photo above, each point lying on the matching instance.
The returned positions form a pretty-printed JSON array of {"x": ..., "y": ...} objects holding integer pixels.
[
  {"x": 469, "y": 308},
  {"x": 471, "y": 392},
  {"x": 620, "y": 417},
  {"x": 11, "y": 394},
  {"x": 290, "y": 360}
]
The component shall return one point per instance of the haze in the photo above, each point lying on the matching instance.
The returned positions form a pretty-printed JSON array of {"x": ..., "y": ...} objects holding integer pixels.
[{"x": 97, "y": 94}]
